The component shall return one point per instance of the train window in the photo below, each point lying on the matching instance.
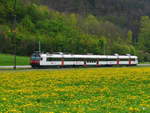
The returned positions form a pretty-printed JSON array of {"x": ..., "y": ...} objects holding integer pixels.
[
  {"x": 35, "y": 58},
  {"x": 53, "y": 59},
  {"x": 127, "y": 59},
  {"x": 91, "y": 60},
  {"x": 79, "y": 59},
  {"x": 49, "y": 59},
  {"x": 69, "y": 59},
  {"x": 107, "y": 59},
  {"x": 124, "y": 59},
  {"x": 102, "y": 59},
  {"x": 111, "y": 59},
  {"x": 132, "y": 59}
]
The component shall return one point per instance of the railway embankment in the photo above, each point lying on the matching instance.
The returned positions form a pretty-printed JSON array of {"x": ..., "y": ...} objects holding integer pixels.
[{"x": 29, "y": 67}]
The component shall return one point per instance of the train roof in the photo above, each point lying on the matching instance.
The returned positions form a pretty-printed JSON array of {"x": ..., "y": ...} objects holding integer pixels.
[{"x": 86, "y": 56}]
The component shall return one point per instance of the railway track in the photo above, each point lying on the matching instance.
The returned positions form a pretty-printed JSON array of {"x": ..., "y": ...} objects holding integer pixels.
[
  {"x": 143, "y": 65},
  {"x": 28, "y": 67},
  {"x": 6, "y": 67}
]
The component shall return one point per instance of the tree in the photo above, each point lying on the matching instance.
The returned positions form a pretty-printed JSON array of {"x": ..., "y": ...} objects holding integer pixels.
[
  {"x": 144, "y": 36},
  {"x": 129, "y": 37}
]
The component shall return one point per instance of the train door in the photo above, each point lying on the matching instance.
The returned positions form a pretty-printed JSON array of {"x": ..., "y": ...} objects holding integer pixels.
[{"x": 79, "y": 61}]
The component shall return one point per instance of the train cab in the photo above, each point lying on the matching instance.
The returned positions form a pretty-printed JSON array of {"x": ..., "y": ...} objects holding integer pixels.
[{"x": 35, "y": 59}]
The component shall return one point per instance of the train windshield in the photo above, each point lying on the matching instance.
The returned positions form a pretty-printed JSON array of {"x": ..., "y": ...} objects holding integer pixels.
[{"x": 35, "y": 56}]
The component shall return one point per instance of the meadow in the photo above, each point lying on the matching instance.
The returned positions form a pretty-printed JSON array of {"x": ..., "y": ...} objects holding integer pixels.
[
  {"x": 93, "y": 90},
  {"x": 7, "y": 60}
]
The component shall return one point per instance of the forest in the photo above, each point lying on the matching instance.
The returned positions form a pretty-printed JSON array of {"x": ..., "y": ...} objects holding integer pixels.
[{"x": 79, "y": 27}]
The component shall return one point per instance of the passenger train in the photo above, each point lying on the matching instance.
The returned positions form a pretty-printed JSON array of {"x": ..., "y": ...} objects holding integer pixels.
[{"x": 62, "y": 60}]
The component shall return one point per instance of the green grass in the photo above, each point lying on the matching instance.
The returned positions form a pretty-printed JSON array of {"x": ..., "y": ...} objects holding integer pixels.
[
  {"x": 97, "y": 90},
  {"x": 6, "y": 60},
  {"x": 144, "y": 62}
]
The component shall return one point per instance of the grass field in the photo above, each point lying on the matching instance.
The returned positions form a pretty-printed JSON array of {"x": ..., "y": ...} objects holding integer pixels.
[
  {"x": 95, "y": 90},
  {"x": 144, "y": 62},
  {"x": 6, "y": 60}
]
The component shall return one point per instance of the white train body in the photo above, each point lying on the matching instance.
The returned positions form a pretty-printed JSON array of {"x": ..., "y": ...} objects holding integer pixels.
[{"x": 42, "y": 60}]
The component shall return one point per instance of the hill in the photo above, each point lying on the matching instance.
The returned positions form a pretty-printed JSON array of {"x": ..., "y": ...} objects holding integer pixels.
[
  {"x": 124, "y": 13},
  {"x": 70, "y": 31}
]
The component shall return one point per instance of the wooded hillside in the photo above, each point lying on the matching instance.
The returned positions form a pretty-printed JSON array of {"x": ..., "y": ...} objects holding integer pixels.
[
  {"x": 124, "y": 13},
  {"x": 100, "y": 27}
]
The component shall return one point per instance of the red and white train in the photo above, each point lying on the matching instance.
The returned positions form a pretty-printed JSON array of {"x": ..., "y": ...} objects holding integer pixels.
[{"x": 61, "y": 60}]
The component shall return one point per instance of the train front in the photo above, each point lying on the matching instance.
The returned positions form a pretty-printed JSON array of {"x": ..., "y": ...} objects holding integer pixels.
[{"x": 35, "y": 60}]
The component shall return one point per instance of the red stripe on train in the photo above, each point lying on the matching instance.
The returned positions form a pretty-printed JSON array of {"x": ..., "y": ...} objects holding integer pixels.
[
  {"x": 129, "y": 61},
  {"x": 118, "y": 61},
  {"x": 97, "y": 63},
  {"x": 35, "y": 62},
  {"x": 85, "y": 63},
  {"x": 62, "y": 62}
]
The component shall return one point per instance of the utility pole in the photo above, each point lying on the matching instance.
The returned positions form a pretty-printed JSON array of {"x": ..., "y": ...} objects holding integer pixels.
[
  {"x": 104, "y": 50},
  {"x": 39, "y": 46},
  {"x": 104, "y": 46},
  {"x": 14, "y": 33}
]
